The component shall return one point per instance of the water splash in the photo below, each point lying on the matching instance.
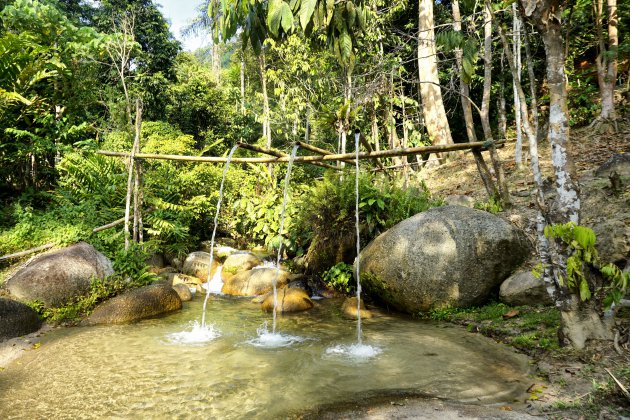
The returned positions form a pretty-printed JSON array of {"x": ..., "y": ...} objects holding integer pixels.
[
  {"x": 355, "y": 351},
  {"x": 198, "y": 334},
  {"x": 282, "y": 215},
  {"x": 268, "y": 339},
  {"x": 215, "y": 285},
  {"x": 357, "y": 135},
  {"x": 214, "y": 232}
]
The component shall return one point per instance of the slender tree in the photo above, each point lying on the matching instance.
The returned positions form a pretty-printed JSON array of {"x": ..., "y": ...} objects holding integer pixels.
[{"x": 435, "y": 119}]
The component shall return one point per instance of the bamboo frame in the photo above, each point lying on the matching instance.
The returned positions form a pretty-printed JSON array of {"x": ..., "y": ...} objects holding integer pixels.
[
  {"x": 278, "y": 153},
  {"x": 309, "y": 159}
]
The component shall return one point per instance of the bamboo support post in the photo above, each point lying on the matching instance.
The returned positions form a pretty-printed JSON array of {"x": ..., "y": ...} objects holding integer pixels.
[
  {"x": 407, "y": 151},
  {"x": 277, "y": 153}
]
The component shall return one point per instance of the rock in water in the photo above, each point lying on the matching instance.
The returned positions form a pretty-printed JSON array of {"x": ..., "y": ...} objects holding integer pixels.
[
  {"x": 523, "y": 288},
  {"x": 17, "y": 319},
  {"x": 57, "y": 278},
  {"x": 196, "y": 264},
  {"x": 239, "y": 262},
  {"x": 183, "y": 291},
  {"x": 254, "y": 282},
  {"x": 447, "y": 256},
  {"x": 144, "y": 302},
  {"x": 349, "y": 309},
  {"x": 290, "y": 299}
]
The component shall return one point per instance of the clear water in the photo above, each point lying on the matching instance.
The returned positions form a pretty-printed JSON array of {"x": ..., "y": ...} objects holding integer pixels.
[{"x": 144, "y": 371}]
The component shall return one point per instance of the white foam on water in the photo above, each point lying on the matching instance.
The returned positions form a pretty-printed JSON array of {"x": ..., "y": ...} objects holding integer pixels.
[
  {"x": 355, "y": 351},
  {"x": 197, "y": 335},
  {"x": 268, "y": 339},
  {"x": 265, "y": 264},
  {"x": 215, "y": 285},
  {"x": 317, "y": 297}
]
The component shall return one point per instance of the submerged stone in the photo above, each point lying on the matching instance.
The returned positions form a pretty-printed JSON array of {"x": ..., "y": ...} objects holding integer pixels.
[
  {"x": 290, "y": 299},
  {"x": 349, "y": 309}
]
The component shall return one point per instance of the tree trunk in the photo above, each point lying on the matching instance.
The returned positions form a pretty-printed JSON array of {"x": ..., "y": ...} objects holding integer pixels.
[
  {"x": 501, "y": 104},
  {"x": 134, "y": 148},
  {"x": 607, "y": 58},
  {"x": 487, "y": 72},
  {"x": 432, "y": 105},
  {"x": 464, "y": 91},
  {"x": 375, "y": 134},
  {"x": 216, "y": 62},
  {"x": 242, "y": 83},
  {"x": 516, "y": 47},
  {"x": 581, "y": 320},
  {"x": 566, "y": 187},
  {"x": 266, "y": 117}
]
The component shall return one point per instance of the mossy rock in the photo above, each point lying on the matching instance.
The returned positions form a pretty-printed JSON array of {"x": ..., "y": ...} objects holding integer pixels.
[{"x": 145, "y": 302}]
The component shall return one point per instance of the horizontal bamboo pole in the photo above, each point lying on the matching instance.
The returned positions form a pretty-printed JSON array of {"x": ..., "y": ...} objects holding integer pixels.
[
  {"x": 278, "y": 153},
  {"x": 306, "y": 159},
  {"x": 319, "y": 151}
]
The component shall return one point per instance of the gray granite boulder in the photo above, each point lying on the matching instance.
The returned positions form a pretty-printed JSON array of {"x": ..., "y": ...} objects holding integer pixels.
[
  {"x": 523, "y": 288},
  {"x": 17, "y": 319},
  {"x": 59, "y": 277},
  {"x": 449, "y": 256}
]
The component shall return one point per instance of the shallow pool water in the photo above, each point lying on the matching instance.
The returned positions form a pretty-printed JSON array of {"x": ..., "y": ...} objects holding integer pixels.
[{"x": 147, "y": 370}]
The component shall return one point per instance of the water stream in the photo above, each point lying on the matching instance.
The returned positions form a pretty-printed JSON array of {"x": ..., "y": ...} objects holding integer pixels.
[
  {"x": 280, "y": 231},
  {"x": 214, "y": 233},
  {"x": 143, "y": 370}
]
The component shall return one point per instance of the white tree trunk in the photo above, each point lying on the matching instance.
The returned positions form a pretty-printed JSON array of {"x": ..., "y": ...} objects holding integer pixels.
[
  {"x": 607, "y": 58},
  {"x": 516, "y": 47},
  {"x": 432, "y": 105},
  {"x": 487, "y": 71}
]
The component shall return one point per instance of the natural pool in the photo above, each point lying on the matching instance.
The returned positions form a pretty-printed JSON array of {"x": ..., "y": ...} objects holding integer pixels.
[{"x": 137, "y": 371}]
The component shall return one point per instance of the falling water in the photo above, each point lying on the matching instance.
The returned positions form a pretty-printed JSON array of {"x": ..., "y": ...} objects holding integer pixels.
[
  {"x": 214, "y": 232},
  {"x": 284, "y": 205},
  {"x": 357, "y": 135}
]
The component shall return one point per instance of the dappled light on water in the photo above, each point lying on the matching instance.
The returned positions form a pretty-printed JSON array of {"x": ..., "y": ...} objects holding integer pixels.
[
  {"x": 268, "y": 339},
  {"x": 198, "y": 334}
]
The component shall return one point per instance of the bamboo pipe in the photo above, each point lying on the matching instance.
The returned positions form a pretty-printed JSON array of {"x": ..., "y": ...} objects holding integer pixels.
[
  {"x": 307, "y": 159},
  {"x": 278, "y": 153}
]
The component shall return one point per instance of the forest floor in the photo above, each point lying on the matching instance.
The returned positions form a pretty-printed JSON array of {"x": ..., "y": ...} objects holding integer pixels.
[{"x": 568, "y": 383}]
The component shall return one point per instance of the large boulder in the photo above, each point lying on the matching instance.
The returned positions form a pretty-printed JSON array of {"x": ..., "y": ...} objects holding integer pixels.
[
  {"x": 449, "y": 256},
  {"x": 144, "y": 302},
  {"x": 59, "y": 277},
  {"x": 290, "y": 299},
  {"x": 197, "y": 263},
  {"x": 254, "y": 282},
  {"x": 523, "y": 288},
  {"x": 239, "y": 262},
  {"x": 17, "y": 319}
]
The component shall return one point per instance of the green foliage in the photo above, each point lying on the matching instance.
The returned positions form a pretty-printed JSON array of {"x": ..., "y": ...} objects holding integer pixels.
[
  {"x": 531, "y": 329},
  {"x": 382, "y": 204},
  {"x": 339, "y": 277},
  {"x": 493, "y": 205},
  {"x": 581, "y": 241}
]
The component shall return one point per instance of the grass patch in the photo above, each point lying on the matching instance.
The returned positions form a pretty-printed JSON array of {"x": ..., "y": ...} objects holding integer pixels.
[{"x": 529, "y": 329}]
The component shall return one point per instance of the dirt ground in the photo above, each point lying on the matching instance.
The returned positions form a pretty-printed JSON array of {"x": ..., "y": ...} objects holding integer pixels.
[{"x": 569, "y": 384}]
